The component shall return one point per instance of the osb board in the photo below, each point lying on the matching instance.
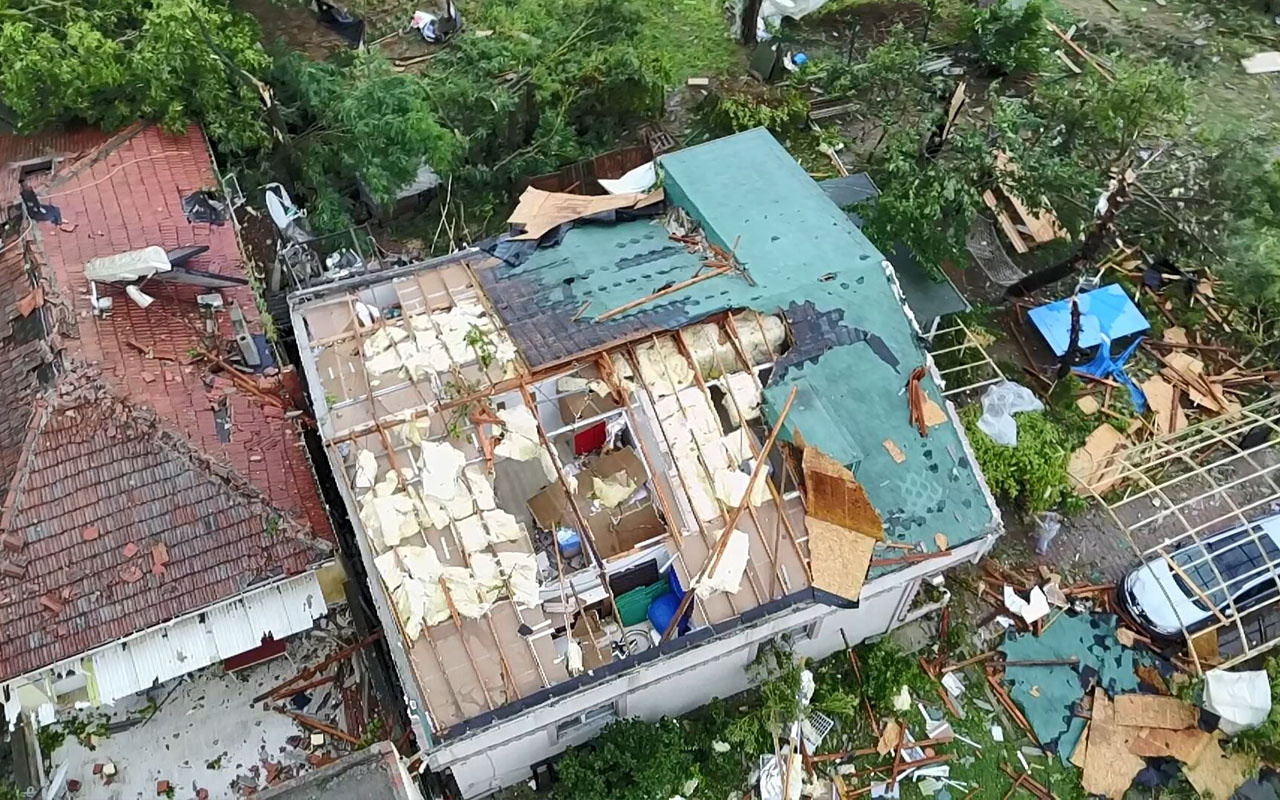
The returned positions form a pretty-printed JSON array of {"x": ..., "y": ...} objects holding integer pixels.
[
  {"x": 1153, "y": 711},
  {"x": 1185, "y": 745},
  {"x": 1109, "y": 767},
  {"x": 834, "y": 496},
  {"x": 1215, "y": 774},
  {"x": 838, "y": 557},
  {"x": 540, "y": 211},
  {"x": 1093, "y": 465}
]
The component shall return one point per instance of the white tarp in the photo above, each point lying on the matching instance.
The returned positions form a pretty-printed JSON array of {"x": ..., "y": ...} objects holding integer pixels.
[
  {"x": 635, "y": 181},
  {"x": 131, "y": 266},
  {"x": 1241, "y": 699},
  {"x": 999, "y": 404}
]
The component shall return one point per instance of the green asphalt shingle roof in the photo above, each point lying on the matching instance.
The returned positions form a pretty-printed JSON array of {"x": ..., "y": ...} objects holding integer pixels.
[{"x": 853, "y": 346}]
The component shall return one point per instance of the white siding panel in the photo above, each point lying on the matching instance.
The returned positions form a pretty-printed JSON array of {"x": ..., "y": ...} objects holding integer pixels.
[
  {"x": 303, "y": 602},
  {"x": 266, "y": 613},
  {"x": 114, "y": 674},
  {"x": 232, "y": 633}
]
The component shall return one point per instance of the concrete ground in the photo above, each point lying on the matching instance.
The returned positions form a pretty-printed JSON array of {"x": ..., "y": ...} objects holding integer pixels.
[{"x": 207, "y": 734}]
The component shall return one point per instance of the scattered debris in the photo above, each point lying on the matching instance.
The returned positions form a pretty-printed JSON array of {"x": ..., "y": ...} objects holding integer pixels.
[{"x": 1260, "y": 63}]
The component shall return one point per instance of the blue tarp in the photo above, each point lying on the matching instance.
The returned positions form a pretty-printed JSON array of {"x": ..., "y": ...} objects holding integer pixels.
[{"x": 1106, "y": 314}]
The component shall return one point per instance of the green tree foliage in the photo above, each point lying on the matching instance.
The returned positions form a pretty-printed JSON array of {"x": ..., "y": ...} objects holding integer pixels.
[
  {"x": 111, "y": 62},
  {"x": 928, "y": 202},
  {"x": 1101, "y": 121},
  {"x": 1008, "y": 36},
  {"x": 1063, "y": 140},
  {"x": 887, "y": 80},
  {"x": 1032, "y": 475},
  {"x": 555, "y": 82},
  {"x": 358, "y": 121},
  {"x": 629, "y": 760}
]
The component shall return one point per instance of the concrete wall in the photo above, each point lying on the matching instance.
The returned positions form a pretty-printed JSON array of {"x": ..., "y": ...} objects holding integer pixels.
[{"x": 503, "y": 754}]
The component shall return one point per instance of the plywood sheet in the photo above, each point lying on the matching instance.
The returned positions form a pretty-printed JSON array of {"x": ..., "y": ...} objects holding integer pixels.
[
  {"x": 1215, "y": 774},
  {"x": 539, "y": 211},
  {"x": 834, "y": 496},
  {"x": 1109, "y": 767},
  {"x": 1185, "y": 745},
  {"x": 838, "y": 557},
  {"x": 1154, "y": 711}
]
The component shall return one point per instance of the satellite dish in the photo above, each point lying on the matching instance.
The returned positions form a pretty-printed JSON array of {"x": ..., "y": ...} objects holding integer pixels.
[{"x": 281, "y": 215}]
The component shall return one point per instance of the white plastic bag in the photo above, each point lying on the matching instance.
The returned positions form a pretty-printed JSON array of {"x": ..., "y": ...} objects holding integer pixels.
[
  {"x": 999, "y": 404},
  {"x": 1241, "y": 699}
]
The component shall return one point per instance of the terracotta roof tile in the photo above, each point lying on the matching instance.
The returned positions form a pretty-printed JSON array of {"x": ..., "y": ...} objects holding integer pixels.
[{"x": 152, "y": 486}]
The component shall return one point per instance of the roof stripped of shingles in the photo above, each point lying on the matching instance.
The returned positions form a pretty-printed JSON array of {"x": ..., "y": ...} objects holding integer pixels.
[
  {"x": 127, "y": 506},
  {"x": 853, "y": 346}
]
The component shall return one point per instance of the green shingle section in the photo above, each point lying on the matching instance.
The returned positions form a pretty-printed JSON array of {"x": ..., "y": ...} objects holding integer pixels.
[
  {"x": 849, "y": 400},
  {"x": 1091, "y": 638},
  {"x": 854, "y": 346}
]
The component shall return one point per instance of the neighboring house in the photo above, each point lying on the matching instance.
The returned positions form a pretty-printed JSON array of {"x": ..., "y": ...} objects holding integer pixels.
[
  {"x": 156, "y": 518},
  {"x": 533, "y": 486}
]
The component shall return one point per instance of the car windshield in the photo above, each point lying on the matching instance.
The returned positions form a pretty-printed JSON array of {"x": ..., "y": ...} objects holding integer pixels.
[{"x": 1235, "y": 555}]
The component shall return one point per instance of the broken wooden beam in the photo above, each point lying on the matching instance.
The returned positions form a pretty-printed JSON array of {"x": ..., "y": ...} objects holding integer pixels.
[
  {"x": 309, "y": 672},
  {"x": 318, "y": 725},
  {"x": 675, "y": 287}
]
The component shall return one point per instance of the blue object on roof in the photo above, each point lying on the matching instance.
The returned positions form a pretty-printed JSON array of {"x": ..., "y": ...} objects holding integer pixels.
[{"x": 1106, "y": 312}]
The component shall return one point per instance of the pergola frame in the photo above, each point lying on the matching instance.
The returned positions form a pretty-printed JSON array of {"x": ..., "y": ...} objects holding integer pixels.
[{"x": 1170, "y": 480}]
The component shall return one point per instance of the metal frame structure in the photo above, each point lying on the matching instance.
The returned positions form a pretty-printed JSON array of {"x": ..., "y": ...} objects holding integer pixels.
[
  {"x": 1211, "y": 477},
  {"x": 956, "y": 338}
]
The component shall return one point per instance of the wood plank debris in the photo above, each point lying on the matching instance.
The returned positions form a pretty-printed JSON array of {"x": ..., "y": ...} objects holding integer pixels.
[
  {"x": 1154, "y": 711},
  {"x": 673, "y": 288},
  {"x": 1042, "y": 226},
  {"x": 1005, "y": 222}
]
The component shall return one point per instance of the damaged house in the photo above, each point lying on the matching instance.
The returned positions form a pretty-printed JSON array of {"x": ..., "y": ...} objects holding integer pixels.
[
  {"x": 593, "y": 467},
  {"x": 159, "y": 511}
]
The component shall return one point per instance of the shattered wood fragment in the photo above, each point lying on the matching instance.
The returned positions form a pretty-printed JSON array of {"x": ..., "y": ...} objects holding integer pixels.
[
  {"x": 915, "y": 401},
  {"x": 894, "y": 452}
]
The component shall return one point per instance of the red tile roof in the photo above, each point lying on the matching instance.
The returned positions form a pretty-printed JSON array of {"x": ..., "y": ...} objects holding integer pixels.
[{"x": 136, "y": 459}]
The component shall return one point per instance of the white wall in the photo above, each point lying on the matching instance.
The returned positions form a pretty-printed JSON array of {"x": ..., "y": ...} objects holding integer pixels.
[{"x": 496, "y": 757}]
